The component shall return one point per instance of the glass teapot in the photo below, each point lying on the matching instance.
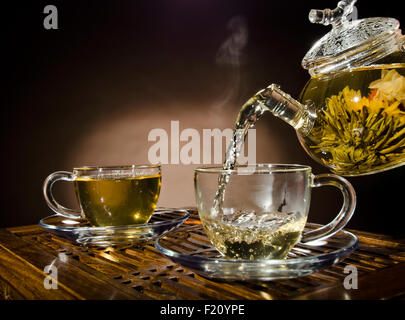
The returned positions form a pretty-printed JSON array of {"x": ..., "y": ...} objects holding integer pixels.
[{"x": 350, "y": 115}]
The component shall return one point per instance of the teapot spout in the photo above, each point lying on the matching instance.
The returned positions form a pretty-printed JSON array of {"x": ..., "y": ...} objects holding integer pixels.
[{"x": 301, "y": 117}]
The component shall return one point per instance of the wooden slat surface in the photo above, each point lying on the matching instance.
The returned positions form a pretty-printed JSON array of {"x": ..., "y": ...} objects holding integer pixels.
[{"x": 144, "y": 273}]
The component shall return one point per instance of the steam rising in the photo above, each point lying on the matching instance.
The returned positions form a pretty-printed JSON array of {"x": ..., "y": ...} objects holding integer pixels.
[
  {"x": 230, "y": 51},
  {"x": 229, "y": 57}
]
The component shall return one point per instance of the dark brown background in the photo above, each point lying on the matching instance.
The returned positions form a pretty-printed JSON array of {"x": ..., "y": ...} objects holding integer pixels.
[{"x": 90, "y": 92}]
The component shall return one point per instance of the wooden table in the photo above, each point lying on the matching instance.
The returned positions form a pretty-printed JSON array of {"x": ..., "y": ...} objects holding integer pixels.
[{"x": 144, "y": 273}]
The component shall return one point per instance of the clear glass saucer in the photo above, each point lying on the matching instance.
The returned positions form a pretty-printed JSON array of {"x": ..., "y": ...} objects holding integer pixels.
[
  {"x": 190, "y": 247},
  {"x": 81, "y": 232}
]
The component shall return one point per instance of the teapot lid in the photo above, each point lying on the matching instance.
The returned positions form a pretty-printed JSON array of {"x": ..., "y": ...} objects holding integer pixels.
[{"x": 350, "y": 43}]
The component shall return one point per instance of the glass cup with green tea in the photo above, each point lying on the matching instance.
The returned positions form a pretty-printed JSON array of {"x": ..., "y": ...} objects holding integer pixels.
[
  {"x": 110, "y": 196},
  {"x": 261, "y": 210}
]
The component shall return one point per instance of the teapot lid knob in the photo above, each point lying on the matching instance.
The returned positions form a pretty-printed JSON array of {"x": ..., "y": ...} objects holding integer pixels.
[{"x": 335, "y": 17}]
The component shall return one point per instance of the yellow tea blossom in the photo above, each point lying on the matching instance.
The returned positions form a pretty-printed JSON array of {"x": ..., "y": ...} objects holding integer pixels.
[
  {"x": 352, "y": 100},
  {"x": 390, "y": 87},
  {"x": 359, "y": 132}
]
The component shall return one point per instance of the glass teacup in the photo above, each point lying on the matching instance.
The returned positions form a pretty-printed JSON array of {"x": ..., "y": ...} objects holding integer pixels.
[
  {"x": 264, "y": 208},
  {"x": 110, "y": 196}
]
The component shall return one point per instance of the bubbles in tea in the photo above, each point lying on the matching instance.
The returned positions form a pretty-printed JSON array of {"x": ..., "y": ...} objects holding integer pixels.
[
  {"x": 115, "y": 200},
  {"x": 250, "y": 235}
]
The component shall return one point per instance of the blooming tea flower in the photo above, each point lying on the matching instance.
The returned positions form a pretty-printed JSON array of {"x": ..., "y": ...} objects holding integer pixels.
[{"x": 390, "y": 87}]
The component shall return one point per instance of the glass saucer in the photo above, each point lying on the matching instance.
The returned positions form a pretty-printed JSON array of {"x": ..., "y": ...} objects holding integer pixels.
[
  {"x": 190, "y": 247},
  {"x": 80, "y": 231}
]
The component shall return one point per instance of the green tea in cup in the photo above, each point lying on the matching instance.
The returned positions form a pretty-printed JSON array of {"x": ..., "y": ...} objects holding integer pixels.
[{"x": 110, "y": 196}]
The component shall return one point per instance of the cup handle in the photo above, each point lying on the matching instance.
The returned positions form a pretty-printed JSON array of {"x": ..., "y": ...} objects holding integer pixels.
[
  {"x": 349, "y": 204},
  {"x": 50, "y": 200}
]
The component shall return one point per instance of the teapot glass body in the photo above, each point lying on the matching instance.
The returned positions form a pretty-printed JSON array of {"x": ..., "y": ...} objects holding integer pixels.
[{"x": 358, "y": 125}]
